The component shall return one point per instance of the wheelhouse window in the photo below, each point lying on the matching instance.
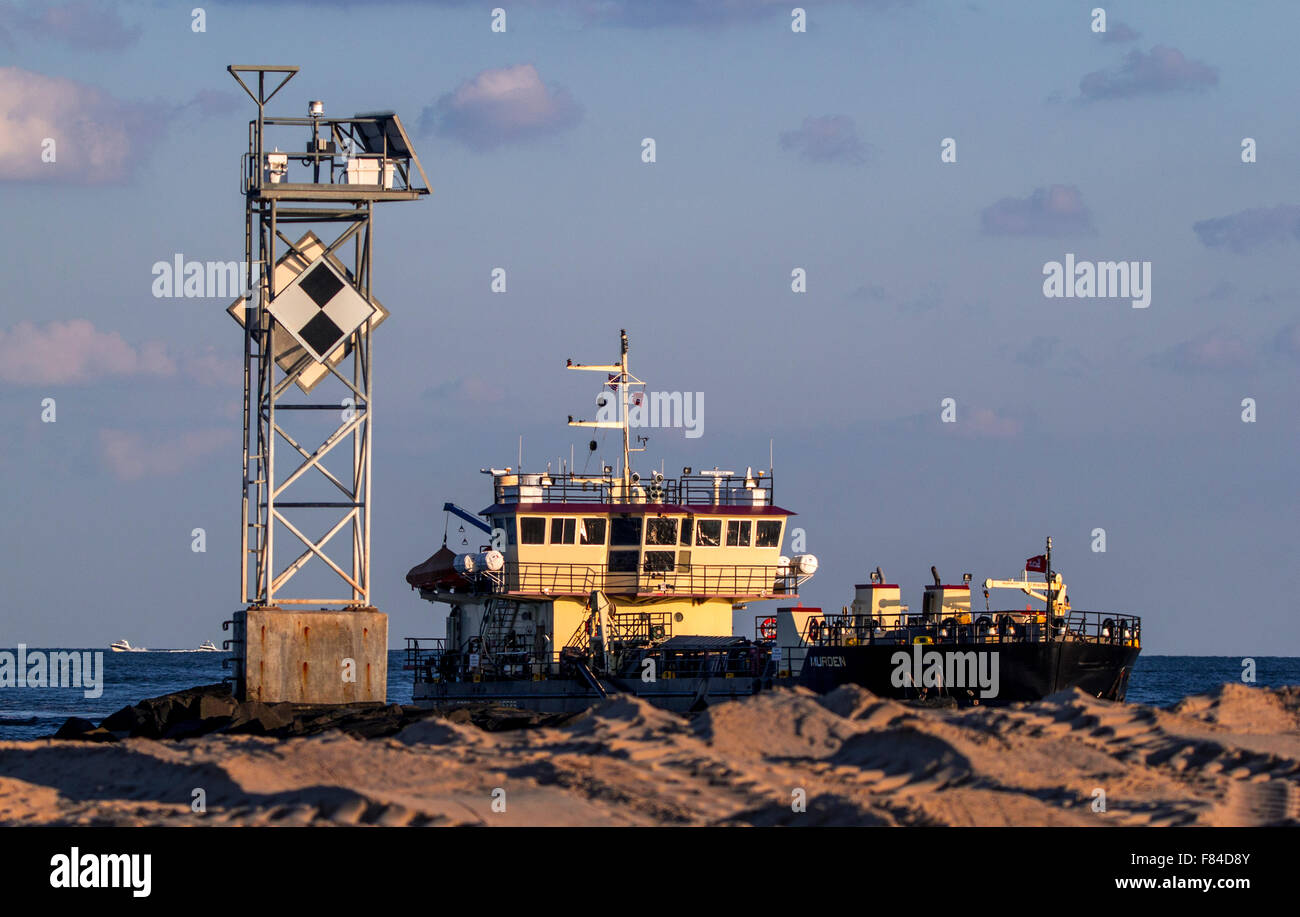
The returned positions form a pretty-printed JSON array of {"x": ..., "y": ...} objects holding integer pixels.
[
  {"x": 738, "y": 533},
  {"x": 563, "y": 531},
  {"x": 658, "y": 561},
  {"x": 625, "y": 532},
  {"x": 623, "y": 561},
  {"x": 708, "y": 533},
  {"x": 592, "y": 531},
  {"x": 687, "y": 525},
  {"x": 767, "y": 534},
  {"x": 661, "y": 531},
  {"x": 505, "y": 524},
  {"x": 532, "y": 530}
]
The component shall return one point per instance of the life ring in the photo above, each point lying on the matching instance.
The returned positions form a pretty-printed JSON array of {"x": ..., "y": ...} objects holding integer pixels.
[
  {"x": 767, "y": 629},
  {"x": 814, "y": 629},
  {"x": 983, "y": 624}
]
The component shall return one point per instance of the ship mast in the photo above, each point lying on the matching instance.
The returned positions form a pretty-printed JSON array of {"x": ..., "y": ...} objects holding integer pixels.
[
  {"x": 625, "y": 381},
  {"x": 1051, "y": 594},
  {"x": 622, "y": 390}
]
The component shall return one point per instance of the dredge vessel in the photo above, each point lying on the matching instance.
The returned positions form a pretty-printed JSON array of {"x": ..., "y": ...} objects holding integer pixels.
[{"x": 587, "y": 585}]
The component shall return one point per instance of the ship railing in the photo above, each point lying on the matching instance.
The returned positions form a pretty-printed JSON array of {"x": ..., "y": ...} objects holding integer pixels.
[
  {"x": 629, "y": 628},
  {"x": 987, "y": 627},
  {"x": 342, "y": 156},
  {"x": 687, "y": 490},
  {"x": 738, "y": 580},
  {"x": 420, "y": 651},
  {"x": 432, "y": 662},
  {"x": 746, "y": 661},
  {"x": 466, "y": 666}
]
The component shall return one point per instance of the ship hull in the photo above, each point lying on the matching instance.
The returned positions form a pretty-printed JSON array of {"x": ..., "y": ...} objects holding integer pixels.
[
  {"x": 1023, "y": 672},
  {"x": 571, "y": 695},
  {"x": 1008, "y": 673}
]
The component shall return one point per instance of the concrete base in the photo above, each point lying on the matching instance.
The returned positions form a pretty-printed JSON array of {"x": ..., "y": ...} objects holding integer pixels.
[{"x": 311, "y": 657}]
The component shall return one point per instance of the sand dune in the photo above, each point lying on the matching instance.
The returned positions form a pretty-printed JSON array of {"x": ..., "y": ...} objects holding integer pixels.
[{"x": 1232, "y": 758}]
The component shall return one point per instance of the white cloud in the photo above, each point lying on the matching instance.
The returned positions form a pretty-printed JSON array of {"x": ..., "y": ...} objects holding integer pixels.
[
  {"x": 131, "y": 456},
  {"x": 509, "y": 105},
  {"x": 97, "y": 138},
  {"x": 73, "y": 351}
]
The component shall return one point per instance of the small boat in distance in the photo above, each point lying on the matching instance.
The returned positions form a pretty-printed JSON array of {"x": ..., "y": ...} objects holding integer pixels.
[
  {"x": 207, "y": 646},
  {"x": 124, "y": 646}
]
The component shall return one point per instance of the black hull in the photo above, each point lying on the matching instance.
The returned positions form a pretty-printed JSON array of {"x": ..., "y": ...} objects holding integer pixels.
[{"x": 1025, "y": 671}]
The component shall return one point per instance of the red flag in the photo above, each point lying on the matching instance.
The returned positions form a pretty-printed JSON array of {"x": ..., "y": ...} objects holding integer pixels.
[{"x": 1036, "y": 564}]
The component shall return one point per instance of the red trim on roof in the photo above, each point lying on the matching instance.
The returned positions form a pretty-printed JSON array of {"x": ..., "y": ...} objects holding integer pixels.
[
  {"x": 590, "y": 509},
  {"x": 965, "y": 586},
  {"x": 876, "y": 586}
]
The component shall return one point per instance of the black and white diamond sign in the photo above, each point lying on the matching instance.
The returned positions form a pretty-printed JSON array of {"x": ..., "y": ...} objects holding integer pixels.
[{"x": 320, "y": 309}]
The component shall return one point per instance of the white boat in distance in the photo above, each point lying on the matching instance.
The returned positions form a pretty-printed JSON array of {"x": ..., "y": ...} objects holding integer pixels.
[{"x": 124, "y": 646}]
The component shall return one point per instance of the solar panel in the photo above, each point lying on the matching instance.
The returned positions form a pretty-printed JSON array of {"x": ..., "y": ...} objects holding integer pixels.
[{"x": 388, "y": 127}]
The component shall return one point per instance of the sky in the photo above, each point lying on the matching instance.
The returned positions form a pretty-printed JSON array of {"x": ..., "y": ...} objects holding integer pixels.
[{"x": 828, "y": 151}]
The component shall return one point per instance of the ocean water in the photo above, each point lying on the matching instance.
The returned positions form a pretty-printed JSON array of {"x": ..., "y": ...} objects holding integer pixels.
[{"x": 131, "y": 677}]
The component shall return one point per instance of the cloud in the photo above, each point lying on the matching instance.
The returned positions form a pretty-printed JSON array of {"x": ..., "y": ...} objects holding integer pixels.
[
  {"x": 498, "y": 107},
  {"x": 1250, "y": 230},
  {"x": 1287, "y": 341},
  {"x": 1118, "y": 33},
  {"x": 868, "y": 293},
  {"x": 215, "y": 369},
  {"x": 1214, "y": 351},
  {"x": 83, "y": 24},
  {"x": 986, "y": 422},
  {"x": 1054, "y": 211},
  {"x": 1223, "y": 290},
  {"x": 643, "y": 14},
  {"x": 132, "y": 456},
  {"x": 829, "y": 138},
  {"x": 1160, "y": 70},
  {"x": 97, "y": 138},
  {"x": 69, "y": 352},
  {"x": 640, "y": 14},
  {"x": 468, "y": 389},
  {"x": 1051, "y": 352},
  {"x": 210, "y": 102},
  {"x": 927, "y": 299},
  {"x": 669, "y": 13}
]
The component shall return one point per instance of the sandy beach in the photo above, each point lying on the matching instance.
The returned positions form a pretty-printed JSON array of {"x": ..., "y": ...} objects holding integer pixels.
[{"x": 1231, "y": 758}]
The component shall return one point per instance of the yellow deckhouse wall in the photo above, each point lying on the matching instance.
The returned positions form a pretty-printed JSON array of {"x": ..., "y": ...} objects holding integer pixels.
[
  {"x": 711, "y": 617},
  {"x": 541, "y": 570}
]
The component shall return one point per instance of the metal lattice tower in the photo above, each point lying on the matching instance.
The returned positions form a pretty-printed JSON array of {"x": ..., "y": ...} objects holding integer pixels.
[{"x": 308, "y": 319}]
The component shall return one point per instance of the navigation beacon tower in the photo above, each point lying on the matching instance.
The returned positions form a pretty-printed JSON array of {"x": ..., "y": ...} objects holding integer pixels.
[{"x": 308, "y": 318}]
